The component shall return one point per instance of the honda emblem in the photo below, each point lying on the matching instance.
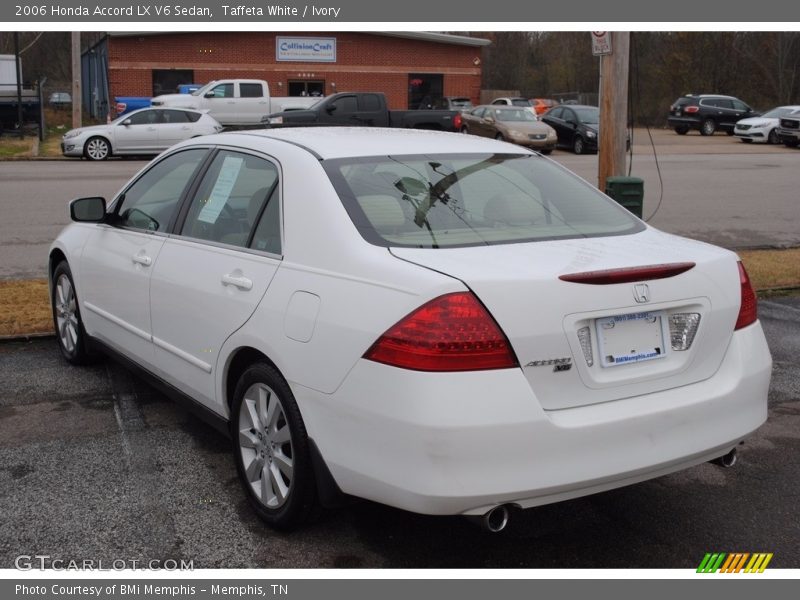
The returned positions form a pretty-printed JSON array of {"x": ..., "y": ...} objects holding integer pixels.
[{"x": 641, "y": 292}]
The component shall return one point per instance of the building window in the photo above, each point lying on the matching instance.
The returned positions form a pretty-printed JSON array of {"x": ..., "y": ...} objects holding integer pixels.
[
  {"x": 307, "y": 88},
  {"x": 424, "y": 89},
  {"x": 166, "y": 81}
]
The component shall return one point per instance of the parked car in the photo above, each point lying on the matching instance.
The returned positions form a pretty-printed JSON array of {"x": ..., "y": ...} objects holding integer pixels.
[
  {"x": 460, "y": 103},
  {"x": 512, "y": 123},
  {"x": 145, "y": 131},
  {"x": 433, "y": 321},
  {"x": 512, "y": 101},
  {"x": 576, "y": 126},
  {"x": 60, "y": 99},
  {"x": 542, "y": 105},
  {"x": 764, "y": 129},
  {"x": 707, "y": 113},
  {"x": 789, "y": 131}
]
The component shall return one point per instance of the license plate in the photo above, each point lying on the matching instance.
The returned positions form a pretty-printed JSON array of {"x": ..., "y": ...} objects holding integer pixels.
[{"x": 631, "y": 338}]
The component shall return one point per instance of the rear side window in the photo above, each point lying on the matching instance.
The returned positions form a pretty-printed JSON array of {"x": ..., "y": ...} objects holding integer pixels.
[
  {"x": 251, "y": 90},
  {"x": 231, "y": 199},
  {"x": 176, "y": 116},
  {"x": 370, "y": 102},
  {"x": 440, "y": 201}
]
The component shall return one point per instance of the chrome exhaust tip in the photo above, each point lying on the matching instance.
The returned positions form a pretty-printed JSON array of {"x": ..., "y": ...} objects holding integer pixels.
[
  {"x": 496, "y": 519},
  {"x": 726, "y": 461}
]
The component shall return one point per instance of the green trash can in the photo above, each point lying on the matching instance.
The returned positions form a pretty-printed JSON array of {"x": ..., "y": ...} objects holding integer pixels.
[{"x": 627, "y": 191}]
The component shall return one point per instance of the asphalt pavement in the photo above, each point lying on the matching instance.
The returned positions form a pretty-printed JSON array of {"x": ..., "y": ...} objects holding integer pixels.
[{"x": 96, "y": 465}]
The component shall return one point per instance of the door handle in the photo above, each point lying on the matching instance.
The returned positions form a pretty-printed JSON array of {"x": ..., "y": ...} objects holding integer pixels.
[
  {"x": 241, "y": 282},
  {"x": 142, "y": 259}
]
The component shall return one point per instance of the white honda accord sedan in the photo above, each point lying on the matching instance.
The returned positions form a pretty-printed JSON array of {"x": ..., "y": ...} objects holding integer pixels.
[{"x": 441, "y": 323}]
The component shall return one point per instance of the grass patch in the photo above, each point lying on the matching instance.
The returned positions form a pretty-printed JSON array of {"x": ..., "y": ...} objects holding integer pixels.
[
  {"x": 25, "y": 303},
  {"x": 51, "y": 146},
  {"x": 769, "y": 269},
  {"x": 25, "y": 307},
  {"x": 13, "y": 146}
]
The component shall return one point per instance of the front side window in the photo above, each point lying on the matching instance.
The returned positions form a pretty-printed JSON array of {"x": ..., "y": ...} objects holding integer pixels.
[
  {"x": 150, "y": 202},
  {"x": 441, "y": 201},
  {"x": 231, "y": 199},
  {"x": 224, "y": 90},
  {"x": 346, "y": 104}
]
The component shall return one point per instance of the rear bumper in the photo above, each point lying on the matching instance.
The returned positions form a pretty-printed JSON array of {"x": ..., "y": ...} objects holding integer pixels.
[
  {"x": 691, "y": 123},
  {"x": 463, "y": 443}
]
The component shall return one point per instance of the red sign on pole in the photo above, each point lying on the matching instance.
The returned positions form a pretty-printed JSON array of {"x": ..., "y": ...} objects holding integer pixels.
[{"x": 601, "y": 43}]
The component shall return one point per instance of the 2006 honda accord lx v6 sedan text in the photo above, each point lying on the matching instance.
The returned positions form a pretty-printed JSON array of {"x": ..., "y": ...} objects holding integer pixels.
[{"x": 441, "y": 323}]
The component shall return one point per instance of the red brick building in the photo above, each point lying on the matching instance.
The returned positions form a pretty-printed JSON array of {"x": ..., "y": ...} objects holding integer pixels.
[{"x": 408, "y": 67}]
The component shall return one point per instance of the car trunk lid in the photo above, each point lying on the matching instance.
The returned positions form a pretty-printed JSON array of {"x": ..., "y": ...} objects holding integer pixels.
[{"x": 629, "y": 350}]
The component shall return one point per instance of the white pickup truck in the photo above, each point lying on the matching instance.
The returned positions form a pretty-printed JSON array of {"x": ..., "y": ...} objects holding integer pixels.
[{"x": 235, "y": 101}]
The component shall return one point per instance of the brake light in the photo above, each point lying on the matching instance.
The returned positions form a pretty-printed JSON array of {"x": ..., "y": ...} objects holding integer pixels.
[
  {"x": 691, "y": 109},
  {"x": 457, "y": 122},
  {"x": 629, "y": 274},
  {"x": 453, "y": 332},
  {"x": 748, "y": 310}
]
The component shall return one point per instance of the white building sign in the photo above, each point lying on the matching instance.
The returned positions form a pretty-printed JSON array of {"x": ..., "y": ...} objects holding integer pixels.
[
  {"x": 601, "y": 43},
  {"x": 299, "y": 49}
]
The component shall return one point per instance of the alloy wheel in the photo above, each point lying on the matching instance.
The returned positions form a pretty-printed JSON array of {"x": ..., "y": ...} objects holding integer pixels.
[
  {"x": 97, "y": 149},
  {"x": 265, "y": 443},
  {"x": 66, "y": 314}
]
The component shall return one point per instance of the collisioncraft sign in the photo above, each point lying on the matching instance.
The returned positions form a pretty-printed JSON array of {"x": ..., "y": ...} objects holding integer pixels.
[{"x": 305, "y": 49}]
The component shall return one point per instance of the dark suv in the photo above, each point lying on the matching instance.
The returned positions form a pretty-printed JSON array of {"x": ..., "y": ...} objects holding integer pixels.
[{"x": 707, "y": 113}]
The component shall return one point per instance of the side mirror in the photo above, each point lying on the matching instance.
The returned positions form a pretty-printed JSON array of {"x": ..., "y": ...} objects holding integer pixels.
[
  {"x": 127, "y": 122},
  {"x": 209, "y": 95},
  {"x": 330, "y": 109},
  {"x": 489, "y": 120},
  {"x": 88, "y": 210}
]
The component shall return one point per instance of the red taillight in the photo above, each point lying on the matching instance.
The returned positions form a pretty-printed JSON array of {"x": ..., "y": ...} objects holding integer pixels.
[
  {"x": 453, "y": 332},
  {"x": 457, "y": 122},
  {"x": 748, "y": 311},
  {"x": 629, "y": 274},
  {"x": 691, "y": 109}
]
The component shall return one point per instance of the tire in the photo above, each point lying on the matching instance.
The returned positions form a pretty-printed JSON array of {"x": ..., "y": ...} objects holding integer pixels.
[
  {"x": 546, "y": 150},
  {"x": 772, "y": 138},
  {"x": 578, "y": 147},
  {"x": 97, "y": 148},
  {"x": 708, "y": 127},
  {"x": 500, "y": 137},
  {"x": 464, "y": 130},
  {"x": 682, "y": 129},
  {"x": 746, "y": 140},
  {"x": 271, "y": 448},
  {"x": 729, "y": 132},
  {"x": 791, "y": 143},
  {"x": 67, "y": 319}
]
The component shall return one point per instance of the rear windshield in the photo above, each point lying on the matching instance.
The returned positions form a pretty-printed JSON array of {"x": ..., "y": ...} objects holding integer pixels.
[
  {"x": 445, "y": 201},
  {"x": 682, "y": 101}
]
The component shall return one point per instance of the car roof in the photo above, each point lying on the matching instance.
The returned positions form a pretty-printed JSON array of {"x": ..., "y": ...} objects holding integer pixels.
[{"x": 347, "y": 142}]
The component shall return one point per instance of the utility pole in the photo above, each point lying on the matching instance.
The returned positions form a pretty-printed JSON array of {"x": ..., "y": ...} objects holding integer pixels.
[
  {"x": 77, "y": 95},
  {"x": 613, "y": 108},
  {"x": 18, "y": 69}
]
